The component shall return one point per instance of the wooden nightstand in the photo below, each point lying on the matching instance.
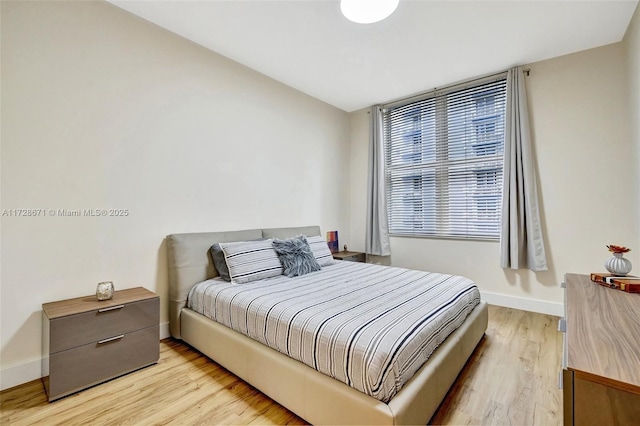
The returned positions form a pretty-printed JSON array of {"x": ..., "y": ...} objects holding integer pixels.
[
  {"x": 86, "y": 341},
  {"x": 351, "y": 256}
]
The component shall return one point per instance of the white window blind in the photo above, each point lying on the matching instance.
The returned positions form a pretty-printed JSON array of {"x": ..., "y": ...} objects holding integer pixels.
[{"x": 443, "y": 162}]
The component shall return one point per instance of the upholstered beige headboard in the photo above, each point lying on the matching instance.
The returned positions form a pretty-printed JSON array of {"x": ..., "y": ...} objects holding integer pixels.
[{"x": 190, "y": 263}]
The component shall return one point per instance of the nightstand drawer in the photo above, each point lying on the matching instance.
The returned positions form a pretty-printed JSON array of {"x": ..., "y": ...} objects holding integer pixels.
[
  {"x": 76, "y": 330},
  {"x": 355, "y": 258},
  {"x": 90, "y": 364}
]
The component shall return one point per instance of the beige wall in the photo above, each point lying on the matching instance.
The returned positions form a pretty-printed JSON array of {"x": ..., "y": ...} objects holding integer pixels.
[
  {"x": 632, "y": 46},
  {"x": 578, "y": 109},
  {"x": 103, "y": 110}
]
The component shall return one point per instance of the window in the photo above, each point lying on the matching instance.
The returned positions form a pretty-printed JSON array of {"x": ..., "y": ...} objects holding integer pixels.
[{"x": 443, "y": 162}]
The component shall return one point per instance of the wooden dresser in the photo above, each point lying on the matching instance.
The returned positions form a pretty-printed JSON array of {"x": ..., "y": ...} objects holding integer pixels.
[
  {"x": 86, "y": 341},
  {"x": 601, "y": 360}
]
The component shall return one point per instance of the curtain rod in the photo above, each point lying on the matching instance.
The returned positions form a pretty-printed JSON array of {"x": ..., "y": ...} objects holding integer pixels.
[
  {"x": 409, "y": 99},
  {"x": 417, "y": 96}
]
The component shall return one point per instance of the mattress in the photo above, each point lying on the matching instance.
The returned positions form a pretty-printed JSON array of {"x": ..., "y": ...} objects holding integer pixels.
[{"x": 369, "y": 326}]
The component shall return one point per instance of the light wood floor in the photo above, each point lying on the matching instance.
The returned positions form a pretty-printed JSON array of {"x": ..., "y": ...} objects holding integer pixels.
[{"x": 510, "y": 379}]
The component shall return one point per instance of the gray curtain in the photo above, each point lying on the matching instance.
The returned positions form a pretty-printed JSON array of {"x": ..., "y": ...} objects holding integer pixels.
[
  {"x": 522, "y": 245},
  {"x": 377, "y": 239}
]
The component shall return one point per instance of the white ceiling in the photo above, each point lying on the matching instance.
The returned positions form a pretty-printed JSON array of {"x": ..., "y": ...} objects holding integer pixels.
[{"x": 310, "y": 46}]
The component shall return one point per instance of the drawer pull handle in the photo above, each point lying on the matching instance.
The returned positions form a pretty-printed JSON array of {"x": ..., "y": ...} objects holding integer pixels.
[
  {"x": 560, "y": 381},
  {"x": 562, "y": 325},
  {"x": 110, "y": 339},
  {"x": 112, "y": 308}
]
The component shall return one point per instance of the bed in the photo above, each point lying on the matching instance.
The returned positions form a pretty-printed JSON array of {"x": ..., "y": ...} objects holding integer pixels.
[{"x": 312, "y": 395}]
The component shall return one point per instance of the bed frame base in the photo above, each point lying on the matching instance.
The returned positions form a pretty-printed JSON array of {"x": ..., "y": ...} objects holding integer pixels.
[{"x": 320, "y": 399}]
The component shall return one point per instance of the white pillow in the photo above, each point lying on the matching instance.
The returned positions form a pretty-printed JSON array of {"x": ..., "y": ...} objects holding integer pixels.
[
  {"x": 321, "y": 251},
  {"x": 251, "y": 260}
]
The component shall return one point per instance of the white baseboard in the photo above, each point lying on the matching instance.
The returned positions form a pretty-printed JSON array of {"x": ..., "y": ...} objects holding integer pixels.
[
  {"x": 523, "y": 303},
  {"x": 164, "y": 330},
  {"x": 32, "y": 370},
  {"x": 21, "y": 373}
]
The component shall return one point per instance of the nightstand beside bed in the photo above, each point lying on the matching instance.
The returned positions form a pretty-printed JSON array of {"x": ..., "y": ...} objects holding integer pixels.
[
  {"x": 351, "y": 256},
  {"x": 86, "y": 341}
]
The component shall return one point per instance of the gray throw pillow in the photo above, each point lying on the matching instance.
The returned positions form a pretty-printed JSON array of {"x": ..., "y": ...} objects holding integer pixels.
[
  {"x": 296, "y": 256},
  {"x": 217, "y": 255}
]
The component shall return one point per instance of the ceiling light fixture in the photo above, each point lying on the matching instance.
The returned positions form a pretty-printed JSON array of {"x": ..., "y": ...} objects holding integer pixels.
[{"x": 367, "y": 11}]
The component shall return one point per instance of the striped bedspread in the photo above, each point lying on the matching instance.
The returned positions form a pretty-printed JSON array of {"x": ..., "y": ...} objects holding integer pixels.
[{"x": 369, "y": 326}]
